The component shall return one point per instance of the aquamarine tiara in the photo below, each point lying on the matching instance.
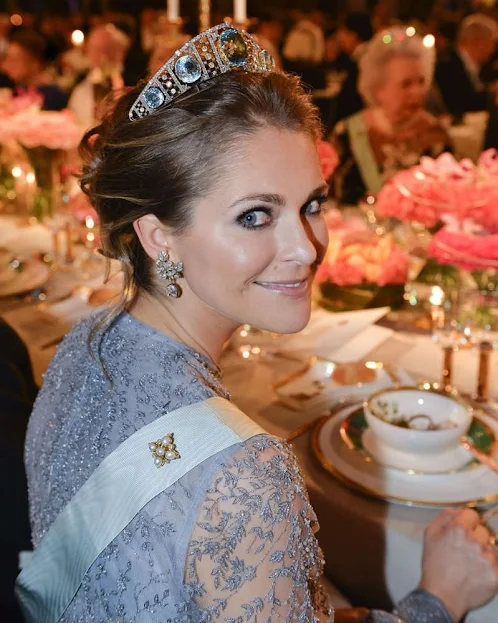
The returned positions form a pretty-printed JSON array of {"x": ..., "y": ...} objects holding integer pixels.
[{"x": 212, "y": 53}]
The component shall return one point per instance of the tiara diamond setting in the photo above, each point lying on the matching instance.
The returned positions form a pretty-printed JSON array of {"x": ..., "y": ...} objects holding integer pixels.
[
  {"x": 188, "y": 69},
  {"x": 212, "y": 53},
  {"x": 233, "y": 47},
  {"x": 154, "y": 98}
]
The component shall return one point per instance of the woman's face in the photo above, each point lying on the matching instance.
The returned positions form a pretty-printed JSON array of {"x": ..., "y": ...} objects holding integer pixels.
[
  {"x": 256, "y": 239},
  {"x": 404, "y": 88}
]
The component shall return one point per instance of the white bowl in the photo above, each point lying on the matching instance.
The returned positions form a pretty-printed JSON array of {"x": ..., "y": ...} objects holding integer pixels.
[{"x": 411, "y": 401}]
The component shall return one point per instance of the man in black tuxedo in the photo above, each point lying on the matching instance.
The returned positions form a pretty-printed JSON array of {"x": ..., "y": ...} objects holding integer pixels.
[{"x": 458, "y": 76}]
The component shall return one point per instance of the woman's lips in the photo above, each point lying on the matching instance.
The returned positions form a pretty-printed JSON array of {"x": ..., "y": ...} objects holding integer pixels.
[{"x": 292, "y": 289}]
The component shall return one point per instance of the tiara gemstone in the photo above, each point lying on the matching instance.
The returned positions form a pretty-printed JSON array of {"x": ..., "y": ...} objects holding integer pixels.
[
  {"x": 154, "y": 97},
  {"x": 268, "y": 62},
  {"x": 234, "y": 47},
  {"x": 188, "y": 69}
]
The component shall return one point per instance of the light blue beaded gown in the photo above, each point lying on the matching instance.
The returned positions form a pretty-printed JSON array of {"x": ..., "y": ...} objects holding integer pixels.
[{"x": 232, "y": 540}]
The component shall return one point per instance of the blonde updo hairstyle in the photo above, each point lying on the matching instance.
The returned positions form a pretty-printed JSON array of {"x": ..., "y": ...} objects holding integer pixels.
[{"x": 385, "y": 46}]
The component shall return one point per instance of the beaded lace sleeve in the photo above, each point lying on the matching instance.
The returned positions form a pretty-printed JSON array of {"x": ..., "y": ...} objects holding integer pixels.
[{"x": 253, "y": 554}]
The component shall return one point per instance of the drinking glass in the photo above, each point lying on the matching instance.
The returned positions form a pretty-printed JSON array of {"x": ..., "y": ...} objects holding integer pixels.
[{"x": 453, "y": 324}]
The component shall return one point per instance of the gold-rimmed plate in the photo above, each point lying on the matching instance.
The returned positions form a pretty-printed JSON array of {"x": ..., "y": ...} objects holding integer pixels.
[{"x": 469, "y": 487}]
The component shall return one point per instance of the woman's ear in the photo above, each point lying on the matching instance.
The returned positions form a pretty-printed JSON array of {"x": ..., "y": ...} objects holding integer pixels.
[{"x": 153, "y": 235}]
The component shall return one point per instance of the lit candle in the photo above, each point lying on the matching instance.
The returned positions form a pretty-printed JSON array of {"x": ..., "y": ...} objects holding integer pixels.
[
  {"x": 239, "y": 11},
  {"x": 173, "y": 10}
]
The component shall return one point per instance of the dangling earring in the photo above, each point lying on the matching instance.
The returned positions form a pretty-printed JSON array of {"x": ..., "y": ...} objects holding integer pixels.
[{"x": 169, "y": 271}]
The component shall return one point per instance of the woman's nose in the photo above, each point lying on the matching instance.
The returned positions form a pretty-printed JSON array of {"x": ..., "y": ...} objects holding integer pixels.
[{"x": 299, "y": 243}]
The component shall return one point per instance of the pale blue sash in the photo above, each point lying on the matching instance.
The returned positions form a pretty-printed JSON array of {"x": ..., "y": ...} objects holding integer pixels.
[
  {"x": 119, "y": 488},
  {"x": 363, "y": 153}
]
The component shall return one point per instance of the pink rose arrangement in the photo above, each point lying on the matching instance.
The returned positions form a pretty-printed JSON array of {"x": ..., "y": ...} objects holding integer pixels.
[
  {"x": 357, "y": 256},
  {"x": 429, "y": 191},
  {"x": 53, "y": 130},
  {"x": 328, "y": 158},
  {"x": 28, "y": 99},
  {"x": 45, "y": 137},
  {"x": 465, "y": 244}
]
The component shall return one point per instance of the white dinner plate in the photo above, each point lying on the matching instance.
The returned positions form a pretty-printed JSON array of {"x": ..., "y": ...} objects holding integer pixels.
[
  {"x": 34, "y": 274},
  {"x": 468, "y": 487}
]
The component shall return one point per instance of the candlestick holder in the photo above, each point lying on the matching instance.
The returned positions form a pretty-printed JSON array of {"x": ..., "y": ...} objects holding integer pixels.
[
  {"x": 204, "y": 15},
  {"x": 447, "y": 374},
  {"x": 485, "y": 350}
]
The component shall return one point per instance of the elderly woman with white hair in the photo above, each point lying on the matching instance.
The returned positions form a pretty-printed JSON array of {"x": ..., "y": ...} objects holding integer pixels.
[{"x": 394, "y": 130}]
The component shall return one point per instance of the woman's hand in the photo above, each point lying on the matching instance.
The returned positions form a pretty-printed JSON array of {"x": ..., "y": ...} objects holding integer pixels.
[{"x": 460, "y": 564}]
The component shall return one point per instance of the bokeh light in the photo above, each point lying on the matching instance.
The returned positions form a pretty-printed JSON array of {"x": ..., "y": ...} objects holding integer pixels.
[
  {"x": 77, "y": 37},
  {"x": 429, "y": 41}
]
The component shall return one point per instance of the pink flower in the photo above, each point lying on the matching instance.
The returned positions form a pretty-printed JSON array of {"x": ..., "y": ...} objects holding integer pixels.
[
  {"x": 356, "y": 255},
  {"x": 334, "y": 219},
  {"x": 395, "y": 269},
  {"x": 470, "y": 249},
  {"x": 54, "y": 130},
  {"x": 28, "y": 99},
  {"x": 488, "y": 161},
  {"x": 341, "y": 273},
  {"x": 433, "y": 189},
  {"x": 328, "y": 158}
]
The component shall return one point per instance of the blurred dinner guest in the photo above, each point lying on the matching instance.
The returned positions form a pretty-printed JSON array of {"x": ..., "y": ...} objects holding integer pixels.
[
  {"x": 491, "y": 134},
  {"x": 445, "y": 35},
  {"x": 269, "y": 33},
  {"x": 304, "y": 48},
  {"x": 353, "y": 36},
  {"x": 394, "y": 130},
  {"x": 5, "y": 26},
  {"x": 148, "y": 28},
  {"x": 26, "y": 64},
  {"x": 305, "y": 43},
  {"x": 106, "y": 49},
  {"x": 152, "y": 497},
  {"x": 458, "y": 76}
]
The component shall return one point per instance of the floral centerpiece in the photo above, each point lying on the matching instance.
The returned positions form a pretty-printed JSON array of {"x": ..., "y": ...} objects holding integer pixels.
[
  {"x": 438, "y": 191},
  {"x": 361, "y": 269},
  {"x": 45, "y": 137},
  {"x": 429, "y": 191}
]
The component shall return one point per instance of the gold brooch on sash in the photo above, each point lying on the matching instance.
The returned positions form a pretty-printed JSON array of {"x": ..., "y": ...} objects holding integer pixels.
[{"x": 164, "y": 450}]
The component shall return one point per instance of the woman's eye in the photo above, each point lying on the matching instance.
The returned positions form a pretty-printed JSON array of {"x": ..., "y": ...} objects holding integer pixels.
[
  {"x": 254, "y": 219},
  {"x": 314, "y": 207}
]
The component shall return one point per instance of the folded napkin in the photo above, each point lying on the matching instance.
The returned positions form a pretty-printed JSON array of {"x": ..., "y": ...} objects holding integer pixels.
[{"x": 328, "y": 332}]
